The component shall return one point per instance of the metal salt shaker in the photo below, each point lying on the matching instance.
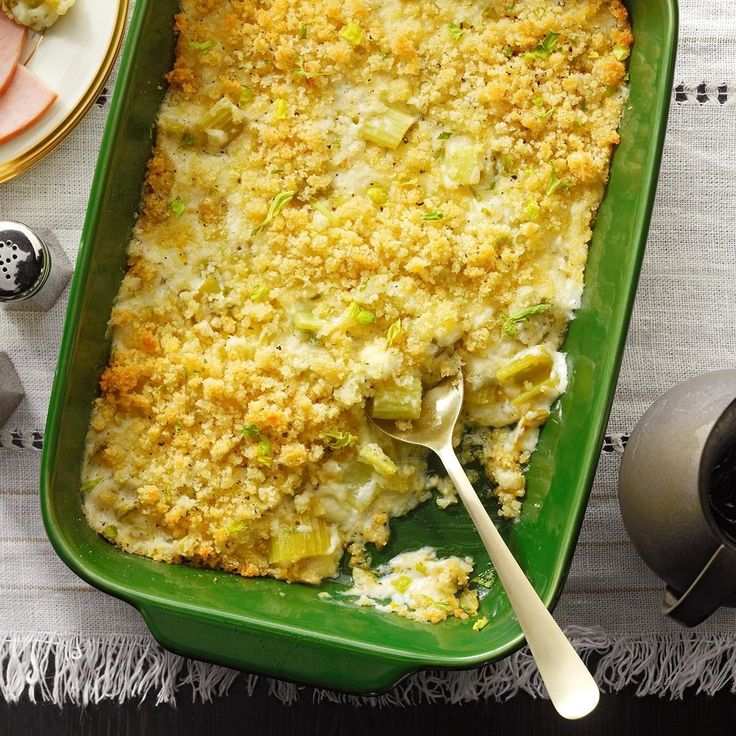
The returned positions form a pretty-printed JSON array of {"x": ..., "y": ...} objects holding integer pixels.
[{"x": 34, "y": 270}]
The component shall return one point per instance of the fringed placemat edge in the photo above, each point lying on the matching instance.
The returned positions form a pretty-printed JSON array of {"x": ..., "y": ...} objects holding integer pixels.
[{"x": 83, "y": 671}]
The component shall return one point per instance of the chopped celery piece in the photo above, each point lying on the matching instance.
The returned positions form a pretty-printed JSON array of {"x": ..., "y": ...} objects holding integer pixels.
[
  {"x": 259, "y": 294},
  {"x": 352, "y": 33},
  {"x": 556, "y": 183},
  {"x": 434, "y": 216},
  {"x": 544, "y": 49},
  {"x": 308, "y": 322},
  {"x": 325, "y": 210},
  {"x": 510, "y": 324},
  {"x": 621, "y": 52},
  {"x": 308, "y": 540},
  {"x": 246, "y": 97},
  {"x": 265, "y": 448},
  {"x": 538, "y": 101},
  {"x": 421, "y": 568},
  {"x": 396, "y": 402},
  {"x": 265, "y": 451},
  {"x": 393, "y": 332},
  {"x": 280, "y": 109},
  {"x": 188, "y": 140},
  {"x": 486, "y": 578},
  {"x": 446, "y": 135},
  {"x": 372, "y": 454},
  {"x": 480, "y": 624},
  {"x": 222, "y": 122},
  {"x": 365, "y": 317},
  {"x": 507, "y": 52},
  {"x": 537, "y": 390},
  {"x": 177, "y": 206},
  {"x": 441, "y": 605},
  {"x": 339, "y": 440},
  {"x": 89, "y": 485},
  {"x": 236, "y": 527},
  {"x": 468, "y": 601},
  {"x": 463, "y": 161},
  {"x": 110, "y": 532},
  {"x": 388, "y": 128},
  {"x": 534, "y": 367},
  {"x": 303, "y": 31},
  {"x": 377, "y": 194},
  {"x": 532, "y": 210},
  {"x": 300, "y": 72},
  {"x": 455, "y": 31},
  {"x": 354, "y": 313},
  {"x": 201, "y": 46},
  {"x": 402, "y": 583},
  {"x": 209, "y": 286},
  {"x": 277, "y": 204}
]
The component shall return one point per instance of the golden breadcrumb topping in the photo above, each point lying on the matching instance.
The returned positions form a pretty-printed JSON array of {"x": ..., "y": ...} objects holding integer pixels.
[{"x": 347, "y": 199}]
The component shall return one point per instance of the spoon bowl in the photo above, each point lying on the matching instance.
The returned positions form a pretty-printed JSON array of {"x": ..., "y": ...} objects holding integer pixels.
[
  {"x": 571, "y": 687},
  {"x": 441, "y": 407}
]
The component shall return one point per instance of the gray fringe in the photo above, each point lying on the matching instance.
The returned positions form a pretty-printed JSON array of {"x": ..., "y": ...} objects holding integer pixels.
[{"x": 87, "y": 670}]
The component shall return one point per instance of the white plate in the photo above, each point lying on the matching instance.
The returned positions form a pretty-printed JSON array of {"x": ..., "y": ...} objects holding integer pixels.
[{"x": 74, "y": 57}]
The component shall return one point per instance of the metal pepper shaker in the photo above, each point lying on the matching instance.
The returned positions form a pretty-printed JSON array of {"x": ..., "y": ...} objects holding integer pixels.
[{"x": 34, "y": 270}]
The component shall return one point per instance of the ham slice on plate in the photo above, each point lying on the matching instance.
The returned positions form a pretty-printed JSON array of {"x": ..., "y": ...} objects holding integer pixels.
[
  {"x": 25, "y": 101},
  {"x": 12, "y": 39}
]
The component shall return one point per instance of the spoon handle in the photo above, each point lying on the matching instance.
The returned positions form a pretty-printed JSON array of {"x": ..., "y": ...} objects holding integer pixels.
[{"x": 571, "y": 687}]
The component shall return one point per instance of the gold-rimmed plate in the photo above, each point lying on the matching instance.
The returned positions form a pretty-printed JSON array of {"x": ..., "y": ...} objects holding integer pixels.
[{"x": 74, "y": 57}]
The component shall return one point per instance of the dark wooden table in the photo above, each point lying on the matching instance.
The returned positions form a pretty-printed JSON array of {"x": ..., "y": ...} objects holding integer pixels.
[{"x": 262, "y": 715}]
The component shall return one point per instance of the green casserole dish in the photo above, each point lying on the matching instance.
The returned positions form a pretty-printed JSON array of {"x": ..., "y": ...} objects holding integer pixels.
[{"x": 270, "y": 627}]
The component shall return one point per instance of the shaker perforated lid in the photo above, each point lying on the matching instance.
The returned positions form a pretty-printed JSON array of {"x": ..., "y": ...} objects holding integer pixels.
[{"x": 25, "y": 262}]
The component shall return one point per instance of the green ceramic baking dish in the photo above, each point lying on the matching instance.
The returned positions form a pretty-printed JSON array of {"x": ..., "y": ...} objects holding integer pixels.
[{"x": 271, "y": 627}]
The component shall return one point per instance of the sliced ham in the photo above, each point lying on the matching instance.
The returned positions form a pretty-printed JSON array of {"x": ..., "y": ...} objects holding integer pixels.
[
  {"x": 25, "y": 101},
  {"x": 12, "y": 40}
]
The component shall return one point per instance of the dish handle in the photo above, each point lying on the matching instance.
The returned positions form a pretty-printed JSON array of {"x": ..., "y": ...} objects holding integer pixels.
[{"x": 276, "y": 653}]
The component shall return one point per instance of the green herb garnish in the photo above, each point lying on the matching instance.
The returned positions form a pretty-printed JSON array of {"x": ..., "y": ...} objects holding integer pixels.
[
  {"x": 201, "y": 46},
  {"x": 556, "y": 183},
  {"x": 352, "y": 33},
  {"x": 277, "y": 204},
  {"x": 434, "y": 216},
  {"x": 177, "y": 206},
  {"x": 393, "y": 332},
  {"x": 259, "y": 294},
  {"x": 90, "y": 484},
  {"x": 339, "y": 440},
  {"x": 456, "y": 31},
  {"x": 486, "y": 578},
  {"x": 510, "y": 324},
  {"x": 621, "y": 52},
  {"x": 544, "y": 49},
  {"x": 246, "y": 97}
]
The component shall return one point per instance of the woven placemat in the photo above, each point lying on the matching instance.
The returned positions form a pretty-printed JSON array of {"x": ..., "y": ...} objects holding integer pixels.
[{"x": 63, "y": 641}]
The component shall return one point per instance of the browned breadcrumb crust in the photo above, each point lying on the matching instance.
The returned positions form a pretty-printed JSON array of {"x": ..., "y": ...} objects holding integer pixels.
[{"x": 197, "y": 358}]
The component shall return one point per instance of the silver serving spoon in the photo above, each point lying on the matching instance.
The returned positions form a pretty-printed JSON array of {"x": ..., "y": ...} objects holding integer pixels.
[{"x": 571, "y": 687}]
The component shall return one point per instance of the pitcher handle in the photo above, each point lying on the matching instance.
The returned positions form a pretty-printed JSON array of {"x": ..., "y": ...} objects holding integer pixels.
[{"x": 714, "y": 585}]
